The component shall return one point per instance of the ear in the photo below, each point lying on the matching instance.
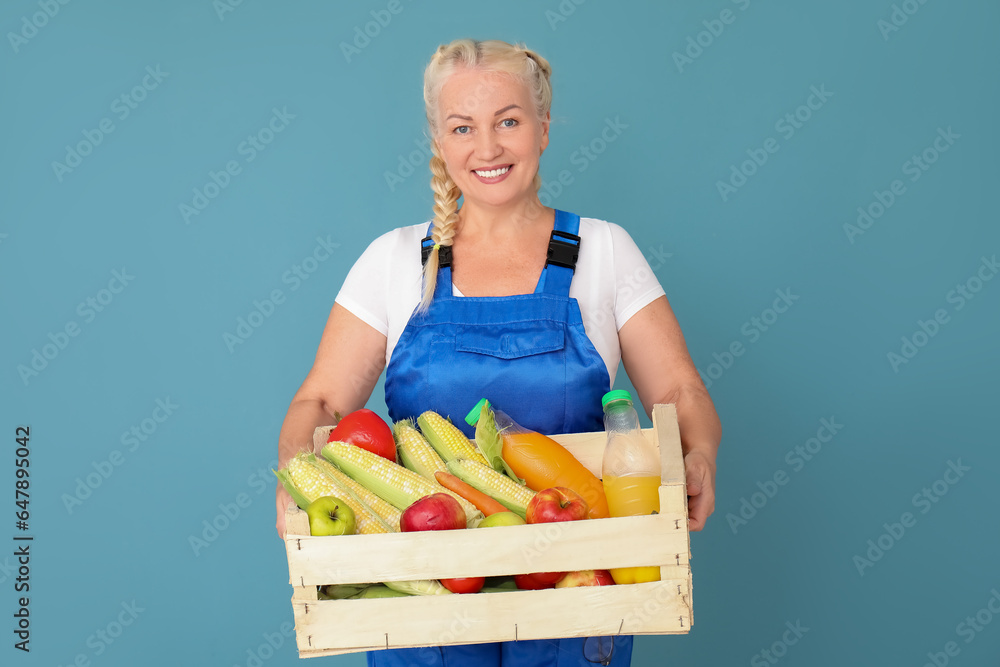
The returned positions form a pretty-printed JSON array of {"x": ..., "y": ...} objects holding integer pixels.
[{"x": 545, "y": 131}]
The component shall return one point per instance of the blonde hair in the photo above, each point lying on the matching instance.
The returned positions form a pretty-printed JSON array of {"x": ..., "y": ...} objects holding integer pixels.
[{"x": 494, "y": 56}]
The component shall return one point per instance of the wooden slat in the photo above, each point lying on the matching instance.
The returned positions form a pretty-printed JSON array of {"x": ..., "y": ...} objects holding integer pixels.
[
  {"x": 624, "y": 542},
  {"x": 669, "y": 441},
  {"x": 343, "y": 626},
  {"x": 297, "y": 523}
]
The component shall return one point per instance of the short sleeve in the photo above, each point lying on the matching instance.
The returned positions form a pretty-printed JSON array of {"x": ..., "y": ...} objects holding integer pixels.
[
  {"x": 636, "y": 286},
  {"x": 365, "y": 290}
]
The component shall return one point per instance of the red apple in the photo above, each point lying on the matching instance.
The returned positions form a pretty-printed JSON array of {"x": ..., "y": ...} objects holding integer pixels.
[
  {"x": 586, "y": 578},
  {"x": 438, "y": 511},
  {"x": 534, "y": 581},
  {"x": 367, "y": 430},
  {"x": 556, "y": 504}
]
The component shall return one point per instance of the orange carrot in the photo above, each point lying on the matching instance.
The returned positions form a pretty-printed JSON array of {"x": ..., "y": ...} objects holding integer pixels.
[{"x": 483, "y": 502}]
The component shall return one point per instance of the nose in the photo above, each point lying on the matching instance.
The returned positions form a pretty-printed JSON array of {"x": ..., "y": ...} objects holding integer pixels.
[{"x": 488, "y": 145}]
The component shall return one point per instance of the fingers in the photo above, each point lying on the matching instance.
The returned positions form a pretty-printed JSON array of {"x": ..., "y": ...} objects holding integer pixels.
[{"x": 701, "y": 494}]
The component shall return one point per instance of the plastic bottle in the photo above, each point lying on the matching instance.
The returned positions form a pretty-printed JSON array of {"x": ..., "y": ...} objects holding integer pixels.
[
  {"x": 631, "y": 473},
  {"x": 541, "y": 461}
]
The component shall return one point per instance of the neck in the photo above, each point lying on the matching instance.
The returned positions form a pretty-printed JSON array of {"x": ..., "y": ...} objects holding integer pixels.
[{"x": 479, "y": 220}]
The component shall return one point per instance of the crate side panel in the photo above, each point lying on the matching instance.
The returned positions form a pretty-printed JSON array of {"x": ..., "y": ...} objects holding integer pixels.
[
  {"x": 624, "y": 542},
  {"x": 358, "y": 625}
]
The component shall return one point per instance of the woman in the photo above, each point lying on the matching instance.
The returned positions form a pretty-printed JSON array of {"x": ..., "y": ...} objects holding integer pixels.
[{"x": 529, "y": 306}]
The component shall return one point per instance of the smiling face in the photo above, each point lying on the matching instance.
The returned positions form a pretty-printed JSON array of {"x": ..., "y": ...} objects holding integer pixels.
[{"x": 490, "y": 137}]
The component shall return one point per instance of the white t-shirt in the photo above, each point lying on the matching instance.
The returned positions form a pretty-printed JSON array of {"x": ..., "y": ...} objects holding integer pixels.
[{"x": 612, "y": 283}]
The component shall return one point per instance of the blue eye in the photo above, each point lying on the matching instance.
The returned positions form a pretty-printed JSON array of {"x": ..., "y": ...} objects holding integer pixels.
[
  {"x": 511, "y": 120},
  {"x": 461, "y": 127}
]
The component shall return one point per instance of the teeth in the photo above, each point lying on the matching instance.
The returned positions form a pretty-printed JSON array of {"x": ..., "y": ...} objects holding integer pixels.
[{"x": 492, "y": 173}]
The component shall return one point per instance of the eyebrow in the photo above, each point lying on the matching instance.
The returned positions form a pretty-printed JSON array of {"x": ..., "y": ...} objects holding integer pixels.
[{"x": 506, "y": 108}]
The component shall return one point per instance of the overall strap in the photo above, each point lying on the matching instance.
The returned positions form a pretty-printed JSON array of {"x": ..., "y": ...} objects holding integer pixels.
[
  {"x": 564, "y": 249},
  {"x": 442, "y": 286}
]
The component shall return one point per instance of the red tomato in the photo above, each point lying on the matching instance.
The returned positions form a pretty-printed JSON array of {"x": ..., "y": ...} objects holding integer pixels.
[
  {"x": 366, "y": 429},
  {"x": 537, "y": 580},
  {"x": 464, "y": 584}
]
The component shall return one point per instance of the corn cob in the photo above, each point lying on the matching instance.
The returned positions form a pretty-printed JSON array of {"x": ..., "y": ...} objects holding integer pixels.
[
  {"x": 447, "y": 439},
  {"x": 386, "y": 511},
  {"x": 414, "y": 451},
  {"x": 498, "y": 486},
  {"x": 391, "y": 481},
  {"x": 313, "y": 483}
]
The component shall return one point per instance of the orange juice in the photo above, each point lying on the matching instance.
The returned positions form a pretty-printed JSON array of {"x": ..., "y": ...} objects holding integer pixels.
[{"x": 633, "y": 496}]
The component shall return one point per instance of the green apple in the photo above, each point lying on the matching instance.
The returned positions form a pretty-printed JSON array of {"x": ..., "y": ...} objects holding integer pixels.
[
  {"x": 330, "y": 516},
  {"x": 502, "y": 519}
]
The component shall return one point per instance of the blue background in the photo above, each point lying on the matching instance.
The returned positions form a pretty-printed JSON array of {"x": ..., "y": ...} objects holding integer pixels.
[{"x": 356, "y": 117}]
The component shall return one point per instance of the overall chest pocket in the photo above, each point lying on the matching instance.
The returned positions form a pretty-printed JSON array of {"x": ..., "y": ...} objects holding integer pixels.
[{"x": 511, "y": 340}]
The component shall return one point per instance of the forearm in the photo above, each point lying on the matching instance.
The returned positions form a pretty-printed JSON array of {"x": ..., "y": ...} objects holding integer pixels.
[
  {"x": 302, "y": 419},
  {"x": 699, "y": 424}
]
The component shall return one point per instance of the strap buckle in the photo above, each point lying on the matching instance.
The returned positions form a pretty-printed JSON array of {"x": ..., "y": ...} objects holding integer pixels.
[
  {"x": 563, "y": 252},
  {"x": 444, "y": 252}
]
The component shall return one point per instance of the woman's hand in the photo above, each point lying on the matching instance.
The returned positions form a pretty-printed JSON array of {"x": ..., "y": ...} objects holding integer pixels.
[
  {"x": 700, "y": 488},
  {"x": 282, "y": 500}
]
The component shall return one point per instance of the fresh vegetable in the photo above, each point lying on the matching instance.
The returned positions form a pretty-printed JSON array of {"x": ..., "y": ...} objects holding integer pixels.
[
  {"x": 527, "y": 582},
  {"x": 537, "y": 459},
  {"x": 414, "y": 451},
  {"x": 330, "y": 516},
  {"x": 464, "y": 584},
  {"x": 538, "y": 580},
  {"x": 367, "y": 430},
  {"x": 483, "y": 502},
  {"x": 418, "y": 587},
  {"x": 388, "y": 480},
  {"x": 376, "y": 591},
  {"x": 306, "y": 482},
  {"x": 385, "y": 510},
  {"x": 447, "y": 439},
  {"x": 498, "y": 486}
]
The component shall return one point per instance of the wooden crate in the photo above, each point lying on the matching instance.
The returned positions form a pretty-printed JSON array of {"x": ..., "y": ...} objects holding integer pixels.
[{"x": 331, "y": 627}]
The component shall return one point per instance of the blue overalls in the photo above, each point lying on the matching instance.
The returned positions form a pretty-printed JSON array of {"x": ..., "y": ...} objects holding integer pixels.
[{"x": 530, "y": 355}]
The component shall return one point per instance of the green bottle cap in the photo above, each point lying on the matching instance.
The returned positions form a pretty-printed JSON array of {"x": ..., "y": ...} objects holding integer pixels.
[
  {"x": 473, "y": 417},
  {"x": 615, "y": 395}
]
